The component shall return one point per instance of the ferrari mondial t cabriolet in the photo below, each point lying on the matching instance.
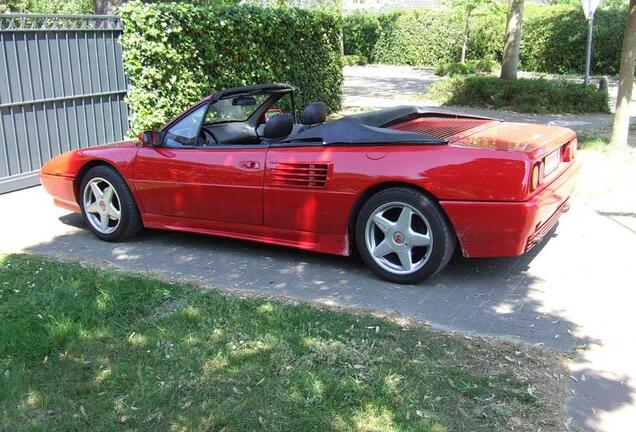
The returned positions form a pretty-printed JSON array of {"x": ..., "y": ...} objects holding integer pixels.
[{"x": 403, "y": 186}]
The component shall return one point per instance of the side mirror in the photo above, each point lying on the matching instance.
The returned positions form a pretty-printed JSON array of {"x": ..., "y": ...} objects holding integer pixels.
[{"x": 150, "y": 138}]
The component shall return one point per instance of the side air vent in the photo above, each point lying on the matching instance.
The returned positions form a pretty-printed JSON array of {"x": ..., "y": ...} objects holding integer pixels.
[
  {"x": 302, "y": 175},
  {"x": 440, "y": 127}
]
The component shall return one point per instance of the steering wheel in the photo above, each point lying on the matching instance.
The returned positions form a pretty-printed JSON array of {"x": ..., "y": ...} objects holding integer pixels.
[{"x": 208, "y": 137}]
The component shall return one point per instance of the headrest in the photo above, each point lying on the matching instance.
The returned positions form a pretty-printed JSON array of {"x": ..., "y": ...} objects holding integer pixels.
[
  {"x": 314, "y": 113},
  {"x": 279, "y": 126}
]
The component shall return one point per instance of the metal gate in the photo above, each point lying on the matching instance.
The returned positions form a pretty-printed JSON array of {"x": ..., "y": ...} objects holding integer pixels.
[{"x": 62, "y": 87}]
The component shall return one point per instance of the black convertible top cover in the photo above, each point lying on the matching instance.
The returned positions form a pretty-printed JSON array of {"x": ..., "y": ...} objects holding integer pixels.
[
  {"x": 258, "y": 88},
  {"x": 370, "y": 128}
]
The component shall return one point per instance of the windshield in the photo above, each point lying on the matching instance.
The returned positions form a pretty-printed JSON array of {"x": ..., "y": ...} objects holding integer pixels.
[
  {"x": 184, "y": 132},
  {"x": 236, "y": 108}
]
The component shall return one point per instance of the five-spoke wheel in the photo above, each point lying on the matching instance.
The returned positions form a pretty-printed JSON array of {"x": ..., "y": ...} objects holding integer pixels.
[
  {"x": 399, "y": 238},
  {"x": 403, "y": 236},
  {"x": 101, "y": 202},
  {"x": 108, "y": 206}
]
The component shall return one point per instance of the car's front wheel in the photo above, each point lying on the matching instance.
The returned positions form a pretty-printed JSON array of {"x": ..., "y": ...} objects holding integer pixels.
[
  {"x": 108, "y": 206},
  {"x": 403, "y": 236}
]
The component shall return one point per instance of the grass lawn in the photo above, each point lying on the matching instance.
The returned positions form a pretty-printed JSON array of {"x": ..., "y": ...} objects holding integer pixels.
[
  {"x": 89, "y": 349},
  {"x": 593, "y": 140}
]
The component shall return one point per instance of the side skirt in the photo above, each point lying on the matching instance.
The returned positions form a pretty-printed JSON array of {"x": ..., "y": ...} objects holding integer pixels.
[{"x": 325, "y": 243}]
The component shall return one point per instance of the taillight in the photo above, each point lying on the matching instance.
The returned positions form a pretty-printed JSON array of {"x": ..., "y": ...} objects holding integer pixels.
[
  {"x": 569, "y": 151},
  {"x": 535, "y": 177}
]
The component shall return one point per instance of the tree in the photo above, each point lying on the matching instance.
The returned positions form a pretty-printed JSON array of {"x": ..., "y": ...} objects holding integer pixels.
[
  {"x": 620, "y": 129},
  {"x": 103, "y": 7},
  {"x": 513, "y": 40},
  {"x": 466, "y": 8}
]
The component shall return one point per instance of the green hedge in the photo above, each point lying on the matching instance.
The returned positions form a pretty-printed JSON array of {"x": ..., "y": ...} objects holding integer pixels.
[
  {"x": 523, "y": 95},
  {"x": 553, "y": 38},
  {"x": 175, "y": 54},
  {"x": 427, "y": 37},
  {"x": 354, "y": 60},
  {"x": 360, "y": 33},
  {"x": 470, "y": 67},
  {"x": 421, "y": 37}
]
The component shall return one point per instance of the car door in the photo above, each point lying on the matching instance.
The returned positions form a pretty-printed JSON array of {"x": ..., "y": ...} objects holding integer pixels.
[
  {"x": 222, "y": 183},
  {"x": 299, "y": 192}
]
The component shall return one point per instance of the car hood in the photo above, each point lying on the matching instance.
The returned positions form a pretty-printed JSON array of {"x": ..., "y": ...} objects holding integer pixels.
[
  {"x": 118, "y": 154},
  {"x": 115, "y": 145}
]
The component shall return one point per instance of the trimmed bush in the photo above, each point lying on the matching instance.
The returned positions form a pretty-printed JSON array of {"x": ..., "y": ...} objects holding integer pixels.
[
  {"x": 354, "y": 60},
  {"x": 487, "y": 32},
  {"x": 455, "y": 68},
  {"x": 422, "y": 37},
  {"x": 553, "y": 38},
  {"x": 523, "y": 95},
  {"x": 360, "y": 33},
  {"x": 175, "y": 54},
  {"x": 486, "y": 65},
  {"x": 468, "y": 68}
]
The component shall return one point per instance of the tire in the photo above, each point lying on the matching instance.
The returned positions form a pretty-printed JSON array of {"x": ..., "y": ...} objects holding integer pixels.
[
  {"x": 118, "y": 202},
  {"x": 418, "y": 244}
]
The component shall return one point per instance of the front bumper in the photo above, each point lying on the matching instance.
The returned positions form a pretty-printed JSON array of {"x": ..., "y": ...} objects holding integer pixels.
[
  {"x": 62, "y": 189},
  {"x": 490, "y": 229}
]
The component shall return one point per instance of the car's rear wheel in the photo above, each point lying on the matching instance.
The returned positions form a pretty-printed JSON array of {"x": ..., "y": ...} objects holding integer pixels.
[
  {"x": 108, "y": 206},
  {"x": 403, "y": 236}
]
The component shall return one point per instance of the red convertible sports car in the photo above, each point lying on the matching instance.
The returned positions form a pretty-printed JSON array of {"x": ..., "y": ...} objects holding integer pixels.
[{"x": 402, "y": 186}]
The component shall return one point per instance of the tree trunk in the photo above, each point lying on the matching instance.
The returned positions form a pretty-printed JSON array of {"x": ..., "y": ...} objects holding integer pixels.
[
  {"x": 513, "y": 40},
  {"x": 620, "y": 130},
  {"x": 465, "y": 40},
  {"x": 103, "y": 7}
]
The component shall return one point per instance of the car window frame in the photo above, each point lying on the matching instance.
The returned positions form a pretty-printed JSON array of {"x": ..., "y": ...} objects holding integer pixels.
[
  {"x": 251, "y": 114},
  {"x": 180, "y": 119},
  {"x": 224, "y": 146},
  {"x": 209, "y": 100}
]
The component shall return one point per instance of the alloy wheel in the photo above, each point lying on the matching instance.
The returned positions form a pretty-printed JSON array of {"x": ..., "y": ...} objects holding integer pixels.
[
  {"x": 399, "y": 238},
  {"x": 102, "y": 205}
]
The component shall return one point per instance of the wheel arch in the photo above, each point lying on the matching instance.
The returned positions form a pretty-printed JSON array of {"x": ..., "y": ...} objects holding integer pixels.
[
  {"x": 88, "y": 166},
  {"x": 369, "y": 192}
]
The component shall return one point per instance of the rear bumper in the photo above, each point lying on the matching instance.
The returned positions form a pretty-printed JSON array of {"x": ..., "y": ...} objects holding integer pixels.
[
  {"x": 62, "y": 189},
  {"x": 489, "y": 229}
]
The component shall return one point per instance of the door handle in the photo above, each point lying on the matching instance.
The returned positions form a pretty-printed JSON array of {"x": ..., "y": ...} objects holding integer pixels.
[{"x": 252, "y": 165}]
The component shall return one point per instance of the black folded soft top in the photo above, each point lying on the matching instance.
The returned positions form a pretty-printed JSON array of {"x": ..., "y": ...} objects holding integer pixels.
[{"x": 371, "y": 128}]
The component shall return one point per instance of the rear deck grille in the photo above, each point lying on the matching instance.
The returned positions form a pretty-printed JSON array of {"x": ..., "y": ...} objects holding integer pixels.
[
  {"x": 303, "y": 175},
  {"x": 440, "y": 127}
]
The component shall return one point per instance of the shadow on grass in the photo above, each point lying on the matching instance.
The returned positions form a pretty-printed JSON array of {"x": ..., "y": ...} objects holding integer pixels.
[{"x": 88, "y": 349}]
